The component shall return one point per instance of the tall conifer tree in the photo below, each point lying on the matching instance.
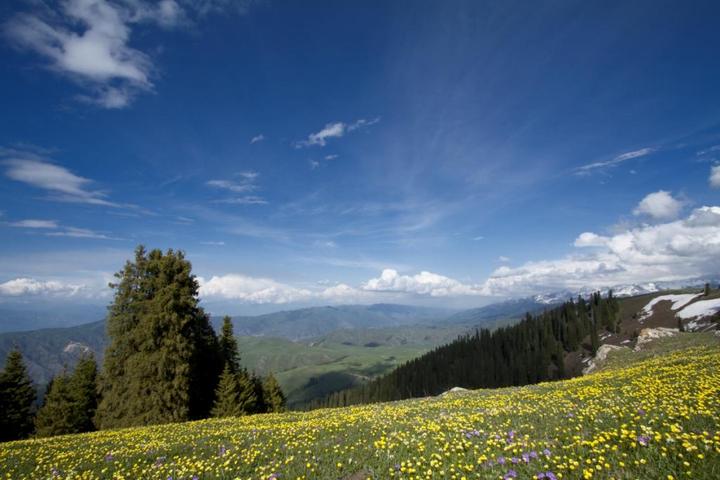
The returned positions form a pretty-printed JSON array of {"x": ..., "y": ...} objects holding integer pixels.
[
  {"x": 17, "y": 399},
  {"x": 162, "y": 363},
  {"x": 273, "y": 394},
  {"x": 228, "y": 346}
]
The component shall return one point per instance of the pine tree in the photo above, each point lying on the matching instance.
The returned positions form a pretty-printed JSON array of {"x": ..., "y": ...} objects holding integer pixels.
[
  {"x": 256, "y": 384},
  {"x": 706, "y": 291},
  {"x": 228, "y": 346},
  {"x": 83, "y": 390},
  {"x": 227, "y": 395},
  {"x": 162, "y": 363},
  {"x": 235, "y": 394},
  {"x": 17, "y": 399},
  {"x": 55, "y": 417},
  {"x": 70, "y": 402},
  {"x": 273, "y": 394}
]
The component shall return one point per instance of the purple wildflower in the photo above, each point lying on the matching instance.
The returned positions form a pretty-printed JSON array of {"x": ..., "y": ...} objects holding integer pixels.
[
  {"x": 510, "y": 474},
  {"x": 547, "y": 452},
  {"x": 643, "y": 440},
  {"x": 501, "y": 460}
]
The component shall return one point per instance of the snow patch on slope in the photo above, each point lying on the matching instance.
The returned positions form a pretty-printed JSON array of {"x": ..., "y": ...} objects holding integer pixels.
[
  {"x": 678, "y": 301},
  {"x": 703, "y": 308}
]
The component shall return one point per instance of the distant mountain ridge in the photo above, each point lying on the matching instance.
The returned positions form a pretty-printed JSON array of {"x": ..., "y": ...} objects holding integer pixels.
[{"x": 314, "y": 322}]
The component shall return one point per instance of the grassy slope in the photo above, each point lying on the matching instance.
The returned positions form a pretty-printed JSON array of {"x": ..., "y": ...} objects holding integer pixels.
[
  {"x": 339, "y": 360},
  {"x": 650, "y": 415}
]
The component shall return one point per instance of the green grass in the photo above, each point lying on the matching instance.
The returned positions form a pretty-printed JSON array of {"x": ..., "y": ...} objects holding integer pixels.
[{"x": 311, "y": 370}]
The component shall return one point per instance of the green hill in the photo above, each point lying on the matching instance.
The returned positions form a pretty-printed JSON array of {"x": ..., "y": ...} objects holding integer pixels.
[{"x": 651, "y": 416}]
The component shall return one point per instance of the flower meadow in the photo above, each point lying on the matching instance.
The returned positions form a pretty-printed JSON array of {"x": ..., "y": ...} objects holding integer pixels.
[{"x": 657, "y": 418}]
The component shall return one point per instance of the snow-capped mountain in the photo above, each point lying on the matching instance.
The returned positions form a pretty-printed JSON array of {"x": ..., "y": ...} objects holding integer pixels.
[{"x": 629, "y": 290}]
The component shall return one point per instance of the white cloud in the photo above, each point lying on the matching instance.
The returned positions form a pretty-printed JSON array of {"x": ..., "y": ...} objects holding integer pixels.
[
  {"x": 75, "y": 232},
  {"x": 675, "y": 250},
  {"x": 58, "y": 230},
  {"x": 246, "y": 200},
  {"x": 30, "y": 286},
  {"x": 97, "y": 53},
  {"x": 715, "y": 176},
  {"x": 251, "y": 290},
  {"x": 89, "y": 41},
  {"x": 587, "y": 169},
  {"x": 246, "y": 184},
  {"x": 331, "y": 157},
  {"x": 255, "y": 290},
  {"x": 257, "y": 138},
  {"x": 61, "y": 182},
  {"x": 659, "y": 205},
  {"x": 707, "y": 151},
  {"x": 213, "y": 243},
  {"x": 334, "y": 130},
  {"x": 590, "y": 239},
  {"x": 503, "y": 258},
  {"x": 424, "y": 283},
  {"x": 50, "y": 224},
  {"x": 232, "y": 186}
]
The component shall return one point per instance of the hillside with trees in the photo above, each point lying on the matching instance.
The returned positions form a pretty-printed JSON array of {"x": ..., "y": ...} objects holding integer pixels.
[
  {"x": 531, "y": 351},
  {"x": 163, "y": 363}
]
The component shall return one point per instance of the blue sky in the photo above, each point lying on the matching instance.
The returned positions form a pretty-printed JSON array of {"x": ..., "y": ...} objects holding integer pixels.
[{"x": 443, "y": 153}]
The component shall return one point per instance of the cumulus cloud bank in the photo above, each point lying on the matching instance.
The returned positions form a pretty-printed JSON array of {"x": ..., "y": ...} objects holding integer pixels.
[
  {"x": 423, "y": 283},
  {"x": 30, "y": 286},
  {"x": 674, "y": 250},
  {"x": 255, "y": 290}
]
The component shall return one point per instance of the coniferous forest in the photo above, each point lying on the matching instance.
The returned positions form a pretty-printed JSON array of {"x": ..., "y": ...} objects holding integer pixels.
[
  {"x": 530, "y": 351},
  {"x": 164, "y": 363}
]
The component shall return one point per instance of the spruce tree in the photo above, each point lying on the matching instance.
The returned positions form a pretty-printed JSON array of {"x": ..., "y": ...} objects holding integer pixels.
[
  {"x": 227, "y": 395},
  {"x": 273, "y": 394},
  {"x": 235, "y": 394},
  {"x": 256, "y": 384},
  {"x": 83, "y": 390},
  {"x": 70, "y": 402},
  {"x": 17, "y": 399},
  {"x": 228, "y": 345},
  {"x": 56, "y": 415},
  {"x": 162, "y": 363}
]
